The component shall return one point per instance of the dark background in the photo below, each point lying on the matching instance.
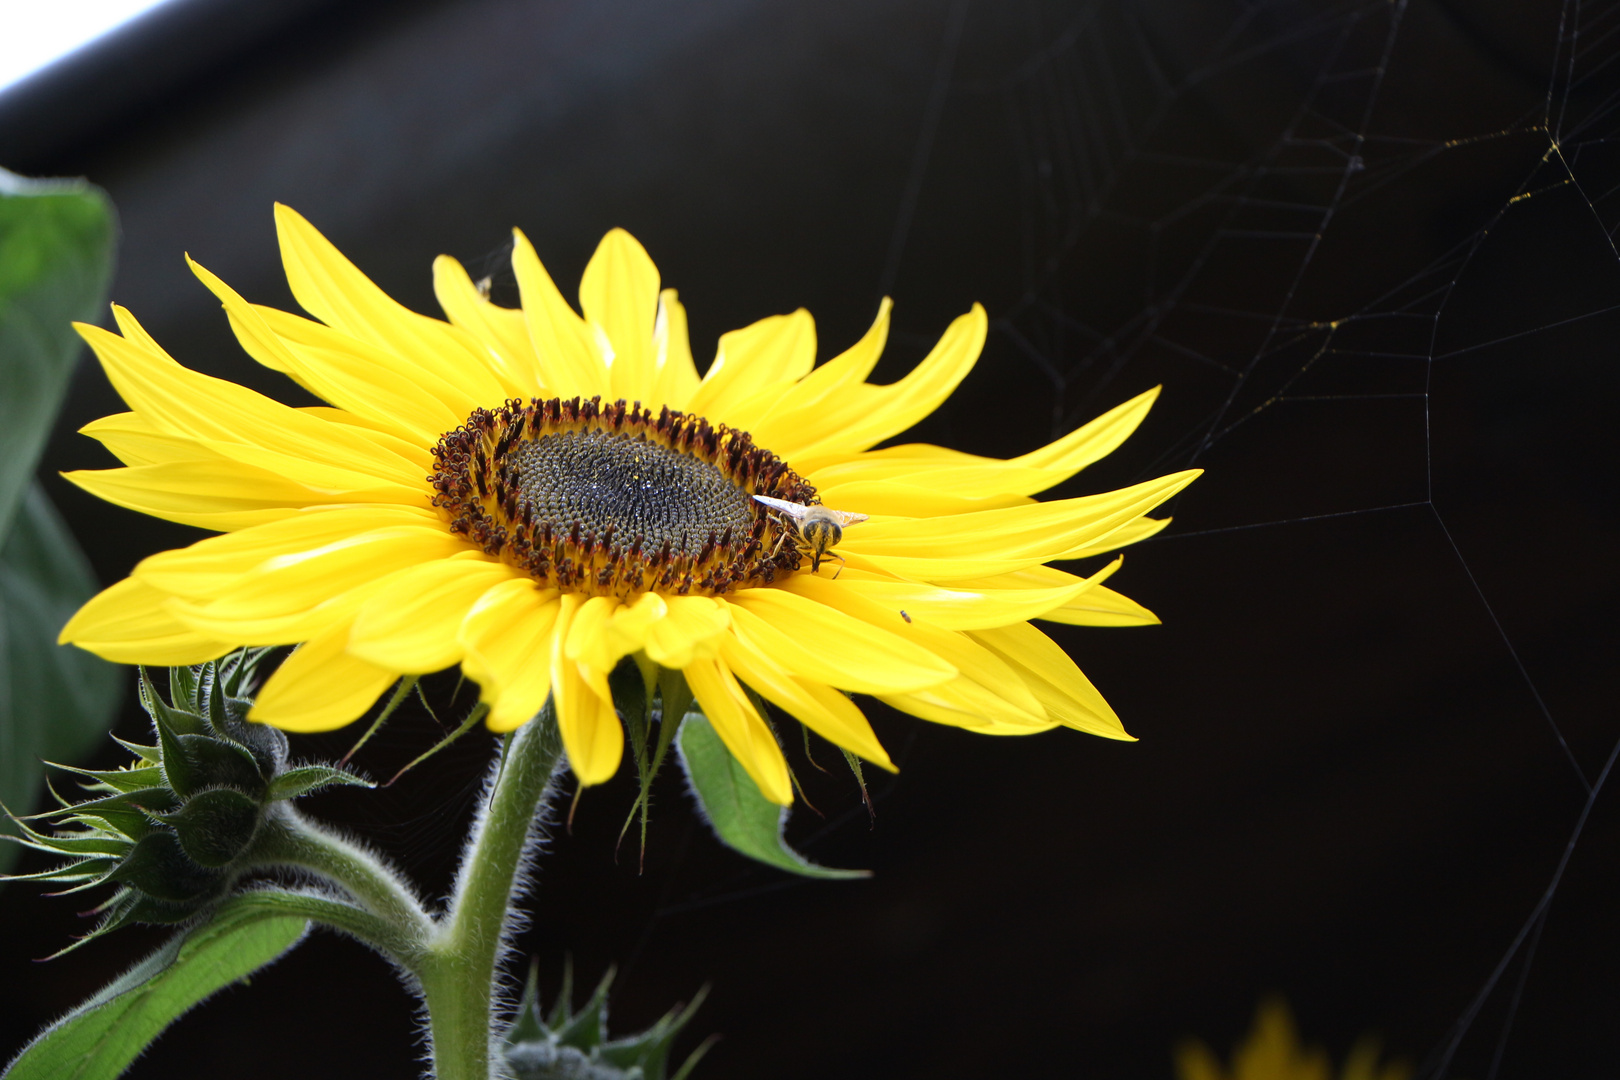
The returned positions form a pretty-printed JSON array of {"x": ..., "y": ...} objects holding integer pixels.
[{"x": 1366, "y": 247}]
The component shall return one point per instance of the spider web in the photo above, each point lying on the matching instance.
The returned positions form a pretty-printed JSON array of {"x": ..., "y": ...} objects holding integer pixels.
[
  {"x": 1242, "y": 271},
  {"x": 1281, "y": 348}
]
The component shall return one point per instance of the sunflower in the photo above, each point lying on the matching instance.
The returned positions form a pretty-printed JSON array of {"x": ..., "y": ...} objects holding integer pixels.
[
  {"x": 535, "y": 494},
  {"x": 1273, "y": 1051}
]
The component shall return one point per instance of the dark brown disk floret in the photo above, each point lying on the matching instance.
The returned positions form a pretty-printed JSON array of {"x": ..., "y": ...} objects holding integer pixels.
[{"x": 614, "y": 501}]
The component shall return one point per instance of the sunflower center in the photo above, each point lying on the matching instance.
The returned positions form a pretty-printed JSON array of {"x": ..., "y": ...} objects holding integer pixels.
[
  {"x": 613, "y": 500},
  {"x": 631, "y": 485}
]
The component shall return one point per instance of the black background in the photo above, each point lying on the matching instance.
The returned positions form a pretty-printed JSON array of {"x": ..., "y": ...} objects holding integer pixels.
[{"x": 1365, "y": 247}]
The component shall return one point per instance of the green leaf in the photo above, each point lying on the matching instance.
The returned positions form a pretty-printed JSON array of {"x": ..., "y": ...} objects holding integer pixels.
[
  {"x": 99, "y": 1039},
  {"x": 56, "y": 252},
  {"x": 55, "y": 700},
  {"x": 742, "y": 818}
]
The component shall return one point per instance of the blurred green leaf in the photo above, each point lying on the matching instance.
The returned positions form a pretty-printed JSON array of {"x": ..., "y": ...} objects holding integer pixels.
[
  {"x": 56, "y": 249},
  {"x": 56, "y": 257},
  {"x": 99, "y": 1039},
  {"x": 742, "y": 818},
  {"x": 56, "y": 701}
]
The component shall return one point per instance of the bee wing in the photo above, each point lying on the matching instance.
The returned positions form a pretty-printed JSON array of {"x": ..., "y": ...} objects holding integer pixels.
[
  {"x": 794, "y": 510},
  {"x": 846, "y": 518}
]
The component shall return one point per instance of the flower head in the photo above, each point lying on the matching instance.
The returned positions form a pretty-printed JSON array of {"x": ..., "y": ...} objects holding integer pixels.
[
  {"x": 1273, "y": 1051},
  {"x": 536, "y": 494}
]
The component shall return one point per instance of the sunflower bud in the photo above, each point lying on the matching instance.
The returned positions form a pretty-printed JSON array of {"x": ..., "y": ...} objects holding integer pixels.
[
  {"x": 173, "y": 828},
  {"x": 569, "y": 1045}
]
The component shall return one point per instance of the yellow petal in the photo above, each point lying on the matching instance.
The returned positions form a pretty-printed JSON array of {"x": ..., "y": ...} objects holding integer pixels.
[
  {"x": 818, "y": 642},
  {"x": 934, "y": 568},
  {"x": 628, "y": 629},
  {"x": 741, "y": 728},
  {"x": 570, "y": 365},
  {"x": 859, "y": 420},
  {"x": 820, "y": 708},
  {"x": 588, "y": 642},
  {"x": 413, "y": 623},
  {"x": 1196, "y": 1061},
  {"x": 910, "y": 500},
  {"x": 1101, "y": 606},
  {"x": 619, "y": 294},
  {"x": 690, "y": 629},
  {"x": 320, "y": 686},
  {"x": 210, "y": 567},
  {"x": 973, "y": 478},
  {"x": 503, "y": 331},
  {"x": 590, "y": 728},
  {"x": 1045, "y": 530},
  {"x": 291, "y": 597},
  {"x": 959, "y": 608},
  {"x": 968, "y": 704},
  {"x": 367, "y": 380},
  {"x": 969, "y": 660},
  {"x": 383, "y": 433},
  {"x": 796, "y": 411},
  {"x": 1067, "y": 694},
  {"x": 1132, "y": 532},
  {"x": 967, "y": 475},
  {"x": 677, "y": 378},
  {"x": 1090, "y": 604},
  {"x": 218, "y": 494},
  {"x": 127, "y": 624},
  {"x": 506, "y": 637},
  {"x": 333, "y": 366},
  {"x": 135, "y": 440},
  {"x": 1090, "y": 442},
  {"x": 329, "y": 287},
  {"x": 772, "y": 353},
  {"x": 240, "y": 423}
]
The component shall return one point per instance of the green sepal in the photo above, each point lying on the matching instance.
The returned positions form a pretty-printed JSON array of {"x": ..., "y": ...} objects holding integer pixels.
[
  {"x": 239, "y": 669},
  {"x": 71, "y": 844},
  {"x": 135, "y": 907},
  {"x": 159, "y": 867},
  {"x": 99, "y": 1039},
  {"x": 587, "y": 1029},
  {"x": 527, "y": 1026},
  {"x": 575, "y": 1046},
  {"x": 133, "y": 823},
  {"x": 178, "y": 721},
  {"x": 674, "y": 697},
  {"x": 565, "y": 998},
  {"x": 742, "y": 818},
  {"x": 156, "y": 800},
  {"x": 151, "y": 755},
  {"x": 649, "y": 1051},
  {"x": 307, "y": 778},
  {"x": 134, "y": 779},
  {"x": 211, "y": 762},
  {"x": 183, "y": 685},
  {"x": 215, "y": 826}
]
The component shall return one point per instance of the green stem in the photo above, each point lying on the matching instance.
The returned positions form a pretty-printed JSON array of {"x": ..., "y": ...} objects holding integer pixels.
[
  {"x": 460, "y": 968},
  {"x": 288, "y": 839},
  {"x": 378, "y": 933}
]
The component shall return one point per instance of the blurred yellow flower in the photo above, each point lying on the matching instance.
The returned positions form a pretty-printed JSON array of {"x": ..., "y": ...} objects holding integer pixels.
[
  {"x": 1273, "y": 1051},
  {"x": 535, "y": 494}
]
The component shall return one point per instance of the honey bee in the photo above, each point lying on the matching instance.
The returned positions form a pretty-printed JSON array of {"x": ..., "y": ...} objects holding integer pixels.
[{"x": 819, "y": 529}]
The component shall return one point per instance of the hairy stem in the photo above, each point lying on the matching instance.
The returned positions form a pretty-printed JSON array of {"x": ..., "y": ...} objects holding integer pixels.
[
  {"x": 288, "y": 839},
  {"x": 380, "y": 934},
  {"x": 460, "y": 969}
]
